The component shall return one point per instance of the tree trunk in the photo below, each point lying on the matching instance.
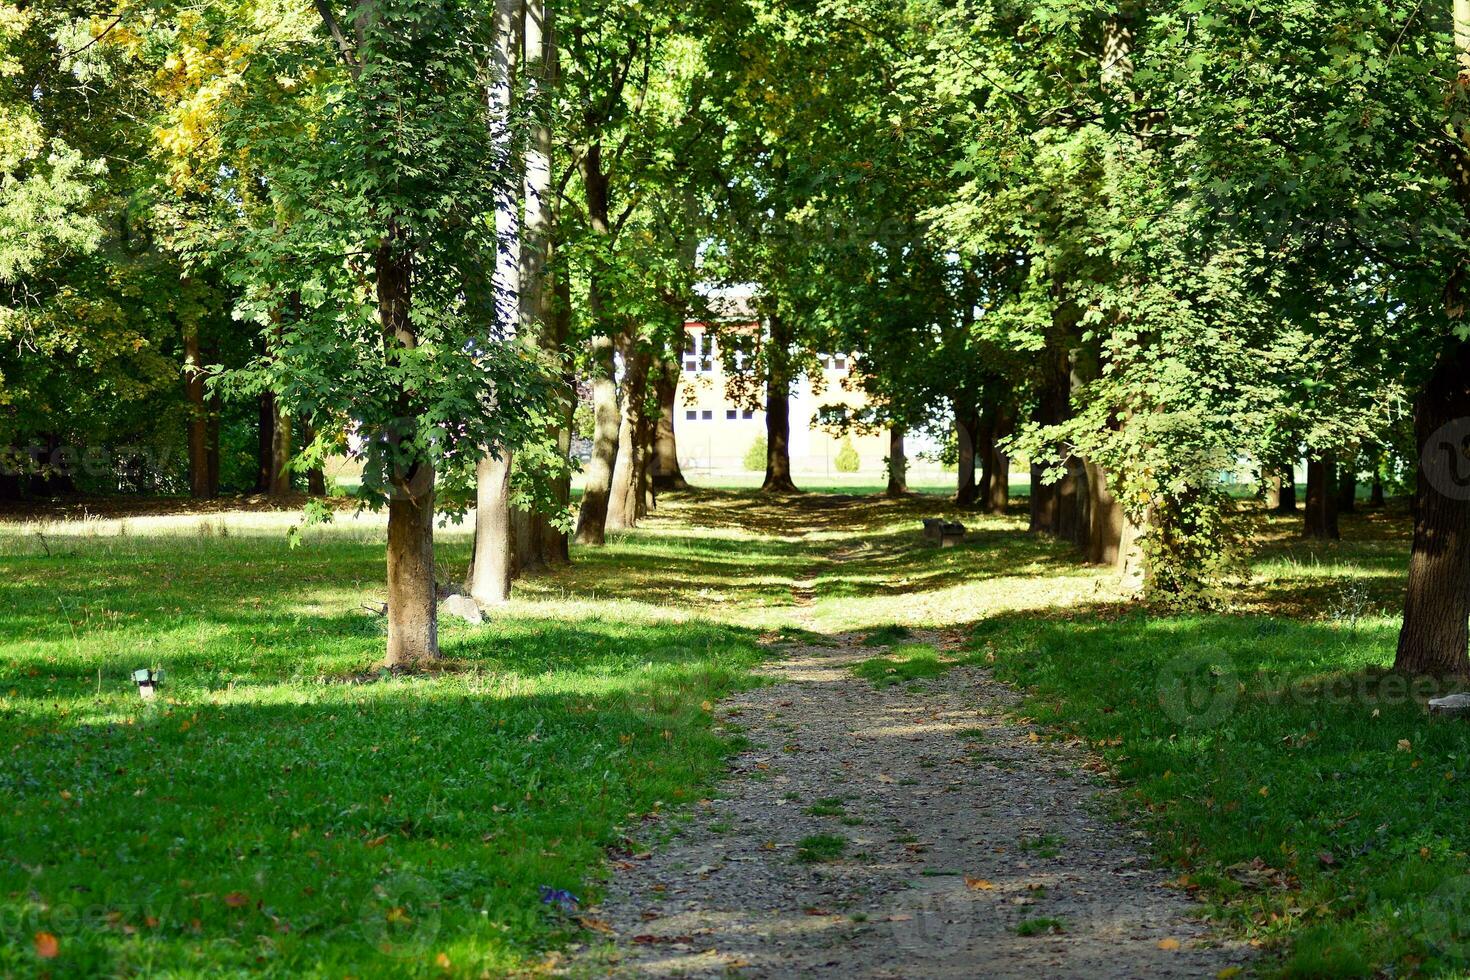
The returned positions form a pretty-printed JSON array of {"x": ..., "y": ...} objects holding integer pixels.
[
  {"x": 200, "y": 487},
  {"x": 648, "y": 439},
  {"x": 1347, "y": 488},
  {"x": 666, "y": 472},
  {"x": 555, "y": 545},
  {"x": 592, "y": 521},
  {"x": 413, "y": 624},
  {"x": 625, "y": 500},
  {"x": 967, "y": 436},
  {"x": 1321, "y": 514},
  {"x": 280, "y": 482},
  {"x": 995, "y": 465},
  {"x": 1375, "y": 496},
  {"x": 898, "y": 464},
  {"x": 1048, "y": 503},
  {"x": 1107, "y": 524},
  {"x": 778, "y": 411},
  {"x": 1437, "y": 605},
  {"x": 267, "y": 430},
  {"x": 1434, "y": 637},
  {"x": 492, "y": 562},
  {"x": 1286, "y": 502},
  {"x": 1272, "y": 487}
]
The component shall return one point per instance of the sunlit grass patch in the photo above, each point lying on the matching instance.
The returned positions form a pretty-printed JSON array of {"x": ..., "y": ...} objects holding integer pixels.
[{"x": 909, "y": 662}]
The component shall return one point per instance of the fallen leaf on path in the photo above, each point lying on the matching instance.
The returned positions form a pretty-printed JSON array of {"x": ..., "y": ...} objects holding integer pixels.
[
  {"x": 1168, "y": 944},
  {"x": 596, "y": 925},
  {"x": 978, "y": 884},
  {"x": 884, "y": 779}
]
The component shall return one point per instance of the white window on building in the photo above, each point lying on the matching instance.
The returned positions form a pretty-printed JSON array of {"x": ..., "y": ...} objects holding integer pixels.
[{"x": 699, "y": 352}]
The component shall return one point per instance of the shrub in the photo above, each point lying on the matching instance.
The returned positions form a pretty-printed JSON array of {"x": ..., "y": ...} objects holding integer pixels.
[
  {"x": 755, "y": 456},
  {"x": 847, "y": 458}
]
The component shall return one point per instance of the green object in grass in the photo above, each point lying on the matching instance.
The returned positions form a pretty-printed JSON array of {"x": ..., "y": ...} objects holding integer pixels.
[
  {"x": 820, "y": 847},
  {"x": 909, "y": 662}
]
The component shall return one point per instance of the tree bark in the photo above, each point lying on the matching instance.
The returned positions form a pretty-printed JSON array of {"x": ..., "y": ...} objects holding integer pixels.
[
  {"x": 1286, "y": 501},
  {"x": 898, "y": 464},
  {"x": 413, "y": 626},
  {"x": 626, "y": 498},
  {"x": 778, "y": 410},
  {"x": 1048, "y": 503},
  {"x": 1375, "y": 496},
  {"x": 1321, "y": 512},
  {"x": 1347, "y": 489},
  {"x": 1107, "y": 524},
  {"x": 596, "y": 488},
  {"x": 413, "y": 616},
  {"x": 280, "y": 481},
  {"x": 200, "y": 486},
  {"x": 492, "y": 562},
  {"x": 967, "y": 436},
  {"x": 666, "y": 472},
  {"x": 1433, "y": 640},
  {"x": 995, "y": 465},
  {"x": 267, "y": 430}
]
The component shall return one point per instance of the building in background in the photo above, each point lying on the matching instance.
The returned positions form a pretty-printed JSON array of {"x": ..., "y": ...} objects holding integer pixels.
[{"x": 717, "y": 422}]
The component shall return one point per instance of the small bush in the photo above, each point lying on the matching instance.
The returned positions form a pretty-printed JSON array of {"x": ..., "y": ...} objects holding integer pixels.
[
  {"x": 847, "y": 460},
  {"x": 755, "y": 456}
]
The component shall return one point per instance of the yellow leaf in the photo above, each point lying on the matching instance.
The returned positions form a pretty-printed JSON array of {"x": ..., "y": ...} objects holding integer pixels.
[
  {"x": 1168, "y": 944},
  {"x": 443, "y": 961},
  {"x": 1405, "y": 745},
  {"x": 1264, "y": 791},
  {"x": 978, "y": 884}
]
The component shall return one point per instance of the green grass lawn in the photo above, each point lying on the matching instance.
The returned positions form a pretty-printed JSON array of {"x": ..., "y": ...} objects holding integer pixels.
[{"x": 284, "y": 810}]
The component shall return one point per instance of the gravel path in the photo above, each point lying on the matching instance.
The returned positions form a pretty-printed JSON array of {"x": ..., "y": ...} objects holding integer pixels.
[{"x": 972, "y": 848}]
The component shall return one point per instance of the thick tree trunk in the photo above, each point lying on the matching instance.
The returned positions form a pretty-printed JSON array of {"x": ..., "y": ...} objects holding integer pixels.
[
  {"x": 778, "y": 411},
  {"x": 967, "y": 436},
  {"x": 1321, "y": 512},
  {"x": 1286, "y": 499},
  {"x": 555, "y": 545},
  {"x": 626, "y": 498},
  {"x": 492, "y": 562},
  {"x": 413, "y": 624},
  {"x": 1107, "y": 523},
  {"x": 1437, "y": 605},
  {"x": 267, "y": 430},
  {"x": 898, "y": 464},
  {"x": 200, "y": 487},
  {"x": 1347, "y": 489},
  {"x": 1375, "y": 495},
  {"x": 666, "y": 472},
  {"x": 995, "y": 465},
  {"x": 592, "y": 521}
]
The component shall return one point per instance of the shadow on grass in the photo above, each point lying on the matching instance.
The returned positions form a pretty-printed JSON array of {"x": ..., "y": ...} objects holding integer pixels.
[
  {"x": 306, "y": 827},
  {"x": 1276, "y": 764}
]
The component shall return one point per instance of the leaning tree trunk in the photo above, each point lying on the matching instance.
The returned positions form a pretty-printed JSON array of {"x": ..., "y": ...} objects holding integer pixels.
[
  {"x": 1321, "y": 512},
  {"x": 778, "y": 410},
  {"x": 898, "y": 464},
  {"x": 967, "y": 437},
  {"x": 624, "y": 501},
  {"x": 1434, "y": 637},
  {"x": 666, "y": 472}
]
